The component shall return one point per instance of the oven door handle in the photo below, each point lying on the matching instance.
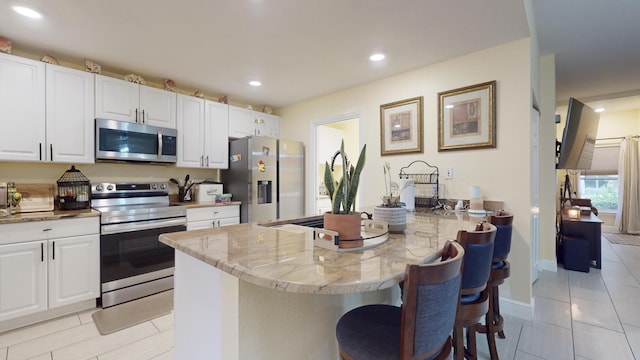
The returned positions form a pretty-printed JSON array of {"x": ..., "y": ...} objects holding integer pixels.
[{"x": 141, "y": 225}]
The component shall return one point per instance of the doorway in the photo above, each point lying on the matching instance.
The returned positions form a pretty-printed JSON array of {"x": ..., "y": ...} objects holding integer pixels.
[{"x": 325, "y": 139}]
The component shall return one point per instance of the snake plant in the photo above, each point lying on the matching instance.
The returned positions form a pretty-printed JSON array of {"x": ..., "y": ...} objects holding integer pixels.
[{"x": 343, "y": 195}]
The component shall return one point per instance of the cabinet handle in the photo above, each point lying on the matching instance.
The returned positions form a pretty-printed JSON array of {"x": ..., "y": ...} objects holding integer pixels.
[
  {"x": 40, "y": 151},
  {"x": 201, "y": 160},
  {"x": 136, "y": 114},
  {"x": 207, "y": 162},
  {"x": 53, "y": 251},
  {"x": 143, "y": 116},
  {"x": 41, "y": 252},
  {"x": 51, "y": 151},
  {"x": 46, "y": 229}
]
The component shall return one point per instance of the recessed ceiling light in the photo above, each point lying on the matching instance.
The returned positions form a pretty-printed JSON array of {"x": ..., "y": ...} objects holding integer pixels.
[
  {"x": 599, "y": 109},
  {"x": 377, "y": 57},
  {"x": 255, "y": 83},
  {"x": 28, "y": 12}
]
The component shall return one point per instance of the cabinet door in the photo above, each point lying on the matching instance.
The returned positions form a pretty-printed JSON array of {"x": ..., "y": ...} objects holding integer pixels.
[
  {"x": 70, "y": 100},
  {"x": 23, "y": 279},
  {"x": 117, "y": 99},
  {"x": 240, "y": 122},
  {"x": 158, "y": 107},
  {"x": 74, "y": 269},
  {"x": 266, "y": 124},
  {"x": 228, "y": 221},
  {"x": 216, "y": 135},
  {"x": 22, "y": 108},
  {"x": 199, "y": 225},
  {"x": 271, "y": 125},
  {"x": 190, "y": 123}
]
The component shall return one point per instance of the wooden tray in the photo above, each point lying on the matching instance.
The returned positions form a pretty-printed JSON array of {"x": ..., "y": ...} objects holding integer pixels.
[{"x": 35, "y": 197}]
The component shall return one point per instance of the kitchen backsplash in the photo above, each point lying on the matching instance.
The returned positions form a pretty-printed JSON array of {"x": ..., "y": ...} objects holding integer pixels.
[{"x": 101, "y": 172}]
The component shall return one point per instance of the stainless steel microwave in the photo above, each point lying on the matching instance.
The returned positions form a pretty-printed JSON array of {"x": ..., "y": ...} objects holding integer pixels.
[{"x": 121, "y": 140}]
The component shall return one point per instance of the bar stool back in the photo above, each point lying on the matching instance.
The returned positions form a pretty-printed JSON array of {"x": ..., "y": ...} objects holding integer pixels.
[
  {"x": 421, "y": 328},
  {"x": 500, "y": 270},
  {"x": 474, "y": 297}
]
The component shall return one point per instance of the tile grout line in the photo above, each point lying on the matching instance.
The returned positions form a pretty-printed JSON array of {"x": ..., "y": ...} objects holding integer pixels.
[{"x": 614, "y": 304}]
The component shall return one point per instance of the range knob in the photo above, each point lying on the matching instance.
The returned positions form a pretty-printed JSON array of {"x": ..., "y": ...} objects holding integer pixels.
[
  {"x": 109, "y": 187},
  {"x": 99, "y": 187},
  {"x": 154, "y": 186},
  {"x": 163, "y": 186}
]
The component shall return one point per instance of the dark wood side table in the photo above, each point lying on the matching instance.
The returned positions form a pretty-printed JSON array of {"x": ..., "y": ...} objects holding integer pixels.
[{"x": 588, "y": 227}]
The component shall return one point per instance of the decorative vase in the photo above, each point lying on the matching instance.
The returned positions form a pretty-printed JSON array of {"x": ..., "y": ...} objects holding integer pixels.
[
  {"x": 347, "y": 226},
  {"x": 396, "y": 217}
]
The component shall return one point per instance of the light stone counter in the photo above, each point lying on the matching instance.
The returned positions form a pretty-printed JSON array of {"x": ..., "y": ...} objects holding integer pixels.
[
  {"x": 253, "y": 292},
  {"x": 48, "y": 215}
]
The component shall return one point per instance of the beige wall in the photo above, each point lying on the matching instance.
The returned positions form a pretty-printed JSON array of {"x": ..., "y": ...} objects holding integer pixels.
[{"x": 502, "y": 173}]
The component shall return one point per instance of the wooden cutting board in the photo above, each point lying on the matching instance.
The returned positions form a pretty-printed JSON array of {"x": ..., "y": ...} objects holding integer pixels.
[{"x": 35, "y": 197}]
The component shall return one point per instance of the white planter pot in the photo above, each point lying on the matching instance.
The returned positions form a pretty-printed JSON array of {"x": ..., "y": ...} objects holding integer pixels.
[{"x": 396, "y": 217}]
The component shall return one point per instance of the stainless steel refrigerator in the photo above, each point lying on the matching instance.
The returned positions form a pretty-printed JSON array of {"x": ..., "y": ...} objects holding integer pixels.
[{"x": 267, "y": 176}]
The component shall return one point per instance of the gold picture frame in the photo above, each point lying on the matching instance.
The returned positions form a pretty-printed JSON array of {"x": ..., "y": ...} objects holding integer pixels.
[
  {"x": 467, "y": 117},
  {"x": 401, "y": 127}
]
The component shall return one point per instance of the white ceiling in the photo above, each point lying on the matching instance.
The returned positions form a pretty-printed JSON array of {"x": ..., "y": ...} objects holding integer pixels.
[{"x": 301, "y": 49}]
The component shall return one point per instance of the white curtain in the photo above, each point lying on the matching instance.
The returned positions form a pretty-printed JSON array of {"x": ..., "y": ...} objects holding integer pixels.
[{"x": 628, "y": 217}]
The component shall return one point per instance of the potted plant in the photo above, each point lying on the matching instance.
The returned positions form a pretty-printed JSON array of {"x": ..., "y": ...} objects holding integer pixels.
[
  {"x": 390, "y": 210},
  {"x": 343, "y": 217}
]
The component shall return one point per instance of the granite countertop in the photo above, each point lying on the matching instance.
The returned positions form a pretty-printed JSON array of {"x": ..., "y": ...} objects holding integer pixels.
[
  {"x": 193, "y": 204},
  {"x": 48, "y": 215},
  {"x": 287, "y": 260}
]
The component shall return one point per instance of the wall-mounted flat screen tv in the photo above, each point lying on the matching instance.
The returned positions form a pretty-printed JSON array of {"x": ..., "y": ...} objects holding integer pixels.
[{"x": 579, "y": 137}]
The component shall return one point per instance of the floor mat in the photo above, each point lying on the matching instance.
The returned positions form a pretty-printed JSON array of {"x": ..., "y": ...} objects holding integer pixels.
[
  {"x": 132, "y": 313},
  {"x": 623, "y": 239}
]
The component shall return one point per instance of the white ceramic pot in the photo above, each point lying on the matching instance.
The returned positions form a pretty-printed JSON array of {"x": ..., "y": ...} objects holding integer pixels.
[{"x": 396, "y": 217}]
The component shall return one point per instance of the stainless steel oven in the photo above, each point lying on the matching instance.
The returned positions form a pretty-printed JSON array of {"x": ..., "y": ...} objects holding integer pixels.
[{"x": 133, "y": 263}]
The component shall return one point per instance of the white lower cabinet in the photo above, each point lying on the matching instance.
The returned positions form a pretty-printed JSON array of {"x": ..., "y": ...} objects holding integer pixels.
[
  {"x": 48, "y": 264},
  {"x": 23, "y": 279},
  {"x": 74, "y": 269},
  {"x": 213, "y": 216}
]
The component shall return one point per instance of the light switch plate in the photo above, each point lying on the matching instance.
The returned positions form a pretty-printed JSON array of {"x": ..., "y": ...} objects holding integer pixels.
[{"x": 449, "y": 174}]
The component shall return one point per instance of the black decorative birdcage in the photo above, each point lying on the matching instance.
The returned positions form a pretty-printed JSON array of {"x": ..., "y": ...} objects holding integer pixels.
[{"x": 74, "y": 190}]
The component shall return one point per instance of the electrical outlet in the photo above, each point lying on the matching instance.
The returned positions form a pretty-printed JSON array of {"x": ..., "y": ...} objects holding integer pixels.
[{"x": 449, "y": 174}]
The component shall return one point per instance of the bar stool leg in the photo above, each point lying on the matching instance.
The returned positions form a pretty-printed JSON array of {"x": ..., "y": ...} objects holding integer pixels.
[
  {"x": 471, "y": 344},
  {"x": 458, "y": 342},
  {"x": 490, "y": 327},
  {"x": 497, "y": 318}
]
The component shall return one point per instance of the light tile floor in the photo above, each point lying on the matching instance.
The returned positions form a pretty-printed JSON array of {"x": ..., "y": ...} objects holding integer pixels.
[{"x": 582, "y": 316}]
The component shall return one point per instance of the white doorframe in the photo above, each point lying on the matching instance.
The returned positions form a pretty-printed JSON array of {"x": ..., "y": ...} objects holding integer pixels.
[
  {"x": 535, "y": 190},
  {"x": 312, "y": 184}
]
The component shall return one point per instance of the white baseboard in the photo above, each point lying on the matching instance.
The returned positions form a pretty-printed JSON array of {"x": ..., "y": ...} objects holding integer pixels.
[
  {"x": 548, "y": 265},
  {"x": 516, "y": 308},
  {"x": 47, "y": 315}
]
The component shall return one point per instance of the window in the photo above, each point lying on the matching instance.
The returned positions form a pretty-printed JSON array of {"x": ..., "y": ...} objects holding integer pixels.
[{"x": 602, "y": 190}]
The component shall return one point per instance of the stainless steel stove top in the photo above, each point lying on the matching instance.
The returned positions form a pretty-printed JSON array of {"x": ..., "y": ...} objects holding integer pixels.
[{"x": 133, "y": 202}]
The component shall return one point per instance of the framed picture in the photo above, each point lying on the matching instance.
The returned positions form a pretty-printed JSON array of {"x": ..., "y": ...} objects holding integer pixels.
[
  {"x": 401, "y": 127},
  {"x": 467, "y": 117}
]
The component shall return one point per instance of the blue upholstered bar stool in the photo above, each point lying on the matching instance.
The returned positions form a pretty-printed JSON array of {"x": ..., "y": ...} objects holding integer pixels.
[
  {"x": 474, "y": 296},
  {"x": 421, "y": 328},
  {"x": 500, "y": 270}
]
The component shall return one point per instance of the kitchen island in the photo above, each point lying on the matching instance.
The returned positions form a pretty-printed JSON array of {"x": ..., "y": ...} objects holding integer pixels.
[{"x": 254, "y": 292}]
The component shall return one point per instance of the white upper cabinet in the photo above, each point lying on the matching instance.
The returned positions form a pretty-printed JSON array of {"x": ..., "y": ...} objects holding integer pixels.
[
  {"x": 216, "y": 135},
  {"x": 69, "y": 120},
  {"x": 190, "y": 131},
  {"x": 202, "y": 133},
  {"x": 158, "y": 107},
  {"x": 22, "y": 108},
  {"x": 245, "y": 122},
  {"x": 126, "y": 101},
  {"x": 240, "y": 122}
]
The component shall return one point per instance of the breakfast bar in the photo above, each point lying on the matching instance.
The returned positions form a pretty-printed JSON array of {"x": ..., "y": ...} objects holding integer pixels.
[{"x": 250, "y": 291}]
